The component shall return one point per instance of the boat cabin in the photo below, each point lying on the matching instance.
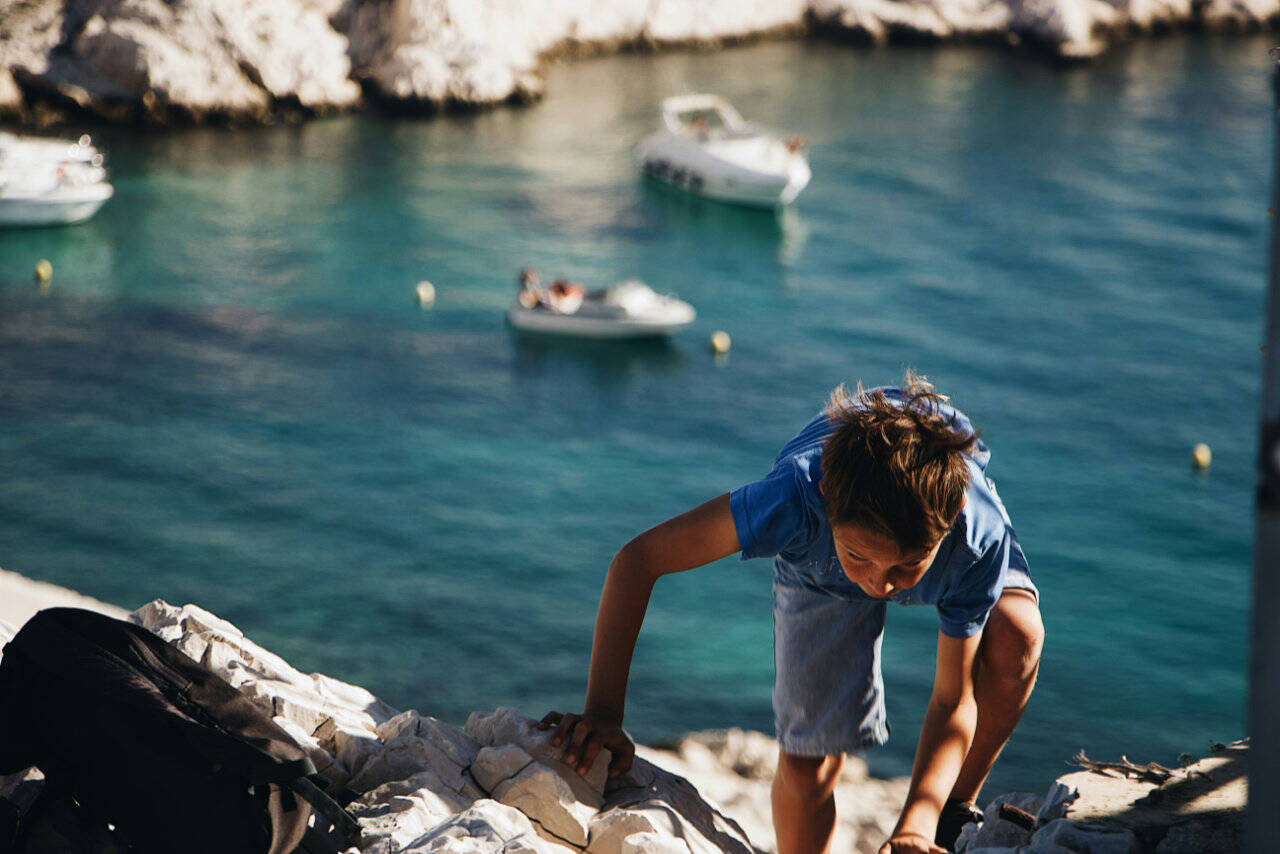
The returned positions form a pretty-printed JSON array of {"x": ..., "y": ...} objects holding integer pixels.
[{"x": 702, "y": 116}]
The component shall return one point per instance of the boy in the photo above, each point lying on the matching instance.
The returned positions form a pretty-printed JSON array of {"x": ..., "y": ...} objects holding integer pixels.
[{"x": 881, "y": 497}]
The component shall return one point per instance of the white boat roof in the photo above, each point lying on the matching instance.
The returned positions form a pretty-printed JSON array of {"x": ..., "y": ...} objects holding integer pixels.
[{"x": 677, "y": 105}]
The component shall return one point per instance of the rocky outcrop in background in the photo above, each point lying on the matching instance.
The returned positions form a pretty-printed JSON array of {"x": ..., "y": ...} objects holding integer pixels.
[{"x": 162, "y": 61}]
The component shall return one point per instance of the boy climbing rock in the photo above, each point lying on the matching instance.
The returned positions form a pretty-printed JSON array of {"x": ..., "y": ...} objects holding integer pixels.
[{"x": 882, "y": 497}]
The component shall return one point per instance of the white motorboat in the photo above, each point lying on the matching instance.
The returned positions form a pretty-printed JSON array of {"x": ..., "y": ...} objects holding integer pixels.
[
  {"x": 79, "y": 150},
  {"x": 50, "y": 182},
  {"x": 706, "y": 147},
  {"x": 63, "y": 205},
  {"x": 628, "y": 309}
]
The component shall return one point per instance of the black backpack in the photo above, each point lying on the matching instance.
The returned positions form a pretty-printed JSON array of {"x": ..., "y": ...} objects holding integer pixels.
[{"x": 151, "y": 747}]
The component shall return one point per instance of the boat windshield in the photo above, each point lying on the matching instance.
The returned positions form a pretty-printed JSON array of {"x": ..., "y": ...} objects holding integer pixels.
[{"x": 705, "y": 119}]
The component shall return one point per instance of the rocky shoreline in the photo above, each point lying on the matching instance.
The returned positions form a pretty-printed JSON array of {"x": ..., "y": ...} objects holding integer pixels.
[
  {"x": 495, "y": 785},
  {"x": 161, "y": 62}
]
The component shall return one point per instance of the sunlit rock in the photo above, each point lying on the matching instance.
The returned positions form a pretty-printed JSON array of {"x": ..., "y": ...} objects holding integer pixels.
[{"x": 508, "y": 726}]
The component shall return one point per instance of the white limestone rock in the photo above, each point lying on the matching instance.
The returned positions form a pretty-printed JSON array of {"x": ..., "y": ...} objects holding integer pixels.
[
  {"x": 1067, "y": 835},
  {"x": 485, "y": 827},
  {"x": 327, "y": 765},
  {"x": 292, "y": 51},
  {"x": 509, "y": 726},
  {"x": 733, "y": 770},
  {"x": 167, "y": 55},
  {"x": 410, "y": 743},
  {"x": 751, "y": 755},
  {"x": 652, "y": 843},
  {"x": 201, "y": 57},
  {"x": 451, "y": 741},
  {"x": 355, "y": 747},
  {"x": 610, "y": 830},
  {"x": 396, "y": 814},
  {"x": 668, "y": 805},
  {"x": 995, "y": 832},
  {"x": 1070, "y": 27},
  {"x": 11, "y": 100},
  {"x": 28, "y": 32},
  {"x": 308, "y": 700},
  {"x": 249, "y": 58},
  {"x": 495, "y": 764},
  {"x": 541, "y": 794}
]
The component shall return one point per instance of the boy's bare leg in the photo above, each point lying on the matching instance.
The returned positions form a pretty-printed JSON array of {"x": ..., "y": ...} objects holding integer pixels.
[
  {"x": 804, "y": 802},
  {"x": 1004, "y": 675}
]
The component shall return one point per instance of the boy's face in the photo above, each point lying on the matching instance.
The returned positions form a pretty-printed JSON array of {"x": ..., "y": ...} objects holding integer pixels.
[{"x": 876, "y": 563}]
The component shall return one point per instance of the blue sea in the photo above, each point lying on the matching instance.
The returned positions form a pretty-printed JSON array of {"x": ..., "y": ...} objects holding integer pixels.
[{"x": 230, "y": 395}]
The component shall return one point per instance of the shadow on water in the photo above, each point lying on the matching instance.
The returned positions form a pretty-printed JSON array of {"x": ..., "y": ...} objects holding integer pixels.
[
  {"x": 606, "y": 363},
  {"x": 720, "y": 225}
]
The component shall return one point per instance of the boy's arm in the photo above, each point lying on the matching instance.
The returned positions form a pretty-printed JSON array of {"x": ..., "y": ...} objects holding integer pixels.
[
  {"x": 698, "y": 537},
  {"x": 945, "y": 737}
]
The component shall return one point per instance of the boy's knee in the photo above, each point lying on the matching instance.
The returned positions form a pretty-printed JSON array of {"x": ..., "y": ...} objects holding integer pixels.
[
  {"x": 808, "y": 778},
  {"x": 1013, "y": 638}
]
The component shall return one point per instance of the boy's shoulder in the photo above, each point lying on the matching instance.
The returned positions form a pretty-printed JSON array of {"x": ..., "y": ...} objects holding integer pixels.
[
  {"x": 984, "y": 518},
  {"x": 806, "y": 443}
]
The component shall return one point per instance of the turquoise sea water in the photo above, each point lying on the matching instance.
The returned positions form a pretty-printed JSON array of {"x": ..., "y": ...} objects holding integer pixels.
[{"x": 229, "y": 396}]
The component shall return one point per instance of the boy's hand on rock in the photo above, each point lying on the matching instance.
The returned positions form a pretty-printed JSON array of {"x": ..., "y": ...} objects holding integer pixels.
[
  {"x": 911, "y": 843},
  {"x": 583, "y": 737}
]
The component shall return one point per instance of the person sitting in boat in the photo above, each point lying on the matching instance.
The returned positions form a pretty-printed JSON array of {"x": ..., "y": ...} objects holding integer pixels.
[
  {"x": 532, "y": 294},
  {"x": 565, "y": 296}
]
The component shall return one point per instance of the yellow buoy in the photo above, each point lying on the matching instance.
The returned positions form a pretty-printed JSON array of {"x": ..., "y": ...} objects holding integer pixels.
[
  {"x": 44, "y": 271},
  {"x": 426, "y": 293},
  {"x": 1201, "y": 456},
  {"x": 720, "y": 341}
]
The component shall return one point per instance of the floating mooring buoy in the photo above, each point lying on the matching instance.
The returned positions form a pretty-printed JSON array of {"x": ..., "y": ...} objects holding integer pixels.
[
  {"x": 426, "y": 293},
  {"x": 1201, "y": 456},
  {"x": 720, "y": 342},
  {"x": 44, "y": 271}
]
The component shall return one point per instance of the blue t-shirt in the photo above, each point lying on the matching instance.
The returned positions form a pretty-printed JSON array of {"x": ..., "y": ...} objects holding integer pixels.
[{"x": 783, "y": 517}]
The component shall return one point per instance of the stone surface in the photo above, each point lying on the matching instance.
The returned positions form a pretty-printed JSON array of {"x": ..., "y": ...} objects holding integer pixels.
[
  {"x": 1070, "y": 836},
  {"x": 495, "y": 764},
  {"x": 995, "y": 832},
  {"x": 544, "y": 796},
  {"x": 485, "y": 826},
  {"x": 498, "y": 787},
  {"x": 1124, "y": 808},
  {"x": 733, "y": 770},
  {"x": 396, "y": 814},
  {"x": 509, "y": 726},
  {"x": 1207, "y": 795}
]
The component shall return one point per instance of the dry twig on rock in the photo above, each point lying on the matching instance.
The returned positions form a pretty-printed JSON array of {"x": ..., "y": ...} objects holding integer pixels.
[{"x": 1152, "y": 772}]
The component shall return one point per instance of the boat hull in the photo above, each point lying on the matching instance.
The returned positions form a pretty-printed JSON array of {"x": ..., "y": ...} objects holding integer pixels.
[
  {"x": 37, "y": 211},
  {"x": 685, "y": 166},
  {"x": 550, "y": 323}
]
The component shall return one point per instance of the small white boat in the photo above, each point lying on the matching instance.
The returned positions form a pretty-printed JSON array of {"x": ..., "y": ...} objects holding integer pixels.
[
  {"x": 705, "y": 147},
  {"x": 628, "y": 309},
  {"x": 64, "y": 205},
  {"x": 79, "y": 150},
  {"x": 50, "y": 182}
]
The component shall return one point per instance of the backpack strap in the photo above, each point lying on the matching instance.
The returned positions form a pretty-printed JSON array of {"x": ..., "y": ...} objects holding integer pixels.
[
  {"x": 288, "y": 820},
  {"x": 341, "y": 820}
]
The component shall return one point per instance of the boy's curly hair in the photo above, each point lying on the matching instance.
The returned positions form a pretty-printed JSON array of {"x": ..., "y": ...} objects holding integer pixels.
[{"x": 896, "y": 468}]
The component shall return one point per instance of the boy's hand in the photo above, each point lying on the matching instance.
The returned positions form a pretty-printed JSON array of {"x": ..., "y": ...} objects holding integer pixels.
[
  {"x": 911, "y": 843},
  {"x": 583, "y": 736}
]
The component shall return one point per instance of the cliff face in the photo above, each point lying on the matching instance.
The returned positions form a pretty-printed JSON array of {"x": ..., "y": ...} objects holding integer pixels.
[{"x": 246, "y": 60}]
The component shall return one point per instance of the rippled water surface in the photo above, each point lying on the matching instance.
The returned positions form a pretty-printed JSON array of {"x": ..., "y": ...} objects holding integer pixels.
[{"x": 229, "y": 396}]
